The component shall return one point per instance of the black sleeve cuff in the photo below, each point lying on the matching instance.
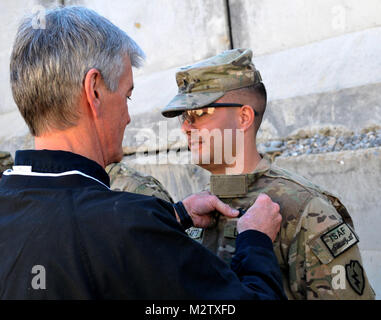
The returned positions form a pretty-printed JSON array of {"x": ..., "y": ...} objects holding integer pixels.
[
  {"x": 253, "y": 238},
  {"x": 185, "y": 219}
]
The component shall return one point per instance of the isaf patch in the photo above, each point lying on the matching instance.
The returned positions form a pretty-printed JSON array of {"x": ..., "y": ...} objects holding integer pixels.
[
  {"x": 339, "y": 239},
  {"x": 355, "y": 276}
]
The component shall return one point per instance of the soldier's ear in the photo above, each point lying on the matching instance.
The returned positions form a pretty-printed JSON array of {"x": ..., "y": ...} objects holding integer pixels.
[{"x": 246, "y": 117}]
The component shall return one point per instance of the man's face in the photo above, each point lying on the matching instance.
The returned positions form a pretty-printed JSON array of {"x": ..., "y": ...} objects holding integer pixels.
[
  {"x": 116, "y": 116},
  {"x": 208, "y": 137}
]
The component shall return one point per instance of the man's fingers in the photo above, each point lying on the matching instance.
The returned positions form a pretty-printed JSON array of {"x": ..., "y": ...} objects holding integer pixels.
[
  {"x": 223, "y": 208},
  {"x": 263, "y": 198}
]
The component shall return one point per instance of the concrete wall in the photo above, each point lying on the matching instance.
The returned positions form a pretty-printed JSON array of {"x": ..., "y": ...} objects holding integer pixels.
[
  {"x": 13, "y": 131},
  {"x": 326, "y": 76},
  {"x": 269, "y": 26},
  {"x": 10, "y": 14},
  {"x": 172, "y": 33},
  {"x": 320, "y": 61}
]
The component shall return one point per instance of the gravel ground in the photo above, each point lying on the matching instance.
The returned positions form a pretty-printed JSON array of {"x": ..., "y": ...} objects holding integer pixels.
[{"x": 321, "y": 144}]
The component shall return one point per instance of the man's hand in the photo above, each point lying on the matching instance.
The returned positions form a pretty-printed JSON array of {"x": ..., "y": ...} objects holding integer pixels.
[
  {"x": 263, "y": 216},
  {"x": 201, "y": 207}
]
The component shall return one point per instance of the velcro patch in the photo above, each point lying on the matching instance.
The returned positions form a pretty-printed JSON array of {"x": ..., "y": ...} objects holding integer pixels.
[
  {"x": 339, "y": 239},
  {"x": 228, "y": 186}
]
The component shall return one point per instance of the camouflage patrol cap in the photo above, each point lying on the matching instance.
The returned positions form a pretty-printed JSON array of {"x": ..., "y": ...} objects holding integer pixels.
[{"x": 207, "y": 81}]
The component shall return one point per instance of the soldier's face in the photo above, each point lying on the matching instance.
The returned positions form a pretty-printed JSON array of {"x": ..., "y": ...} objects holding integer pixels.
[{"x": 212, "y": 136}]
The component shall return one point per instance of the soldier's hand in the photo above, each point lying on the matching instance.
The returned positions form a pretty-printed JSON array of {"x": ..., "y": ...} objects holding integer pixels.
[
  {"x": 263, "y": 216},
  {"x": 202, "y": 206}
]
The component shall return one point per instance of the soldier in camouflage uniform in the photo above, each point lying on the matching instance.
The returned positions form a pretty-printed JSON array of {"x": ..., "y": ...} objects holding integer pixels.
[
  {"x": 317, "y": 247},
  {"x": 6, "y": 162},
  {"x": 125, "y": 178}
]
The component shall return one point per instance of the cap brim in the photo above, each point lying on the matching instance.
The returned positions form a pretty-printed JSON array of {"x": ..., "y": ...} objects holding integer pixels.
[{"x": 189, "y": 101}]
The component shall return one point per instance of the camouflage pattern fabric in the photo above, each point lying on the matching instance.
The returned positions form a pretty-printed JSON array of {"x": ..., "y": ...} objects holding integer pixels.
[
  {"x": 125, "y": 178},
  {"x": 205, "y": 82},
  {"x": 6, "y": 162},
  {"x": 316, "y": 235}
]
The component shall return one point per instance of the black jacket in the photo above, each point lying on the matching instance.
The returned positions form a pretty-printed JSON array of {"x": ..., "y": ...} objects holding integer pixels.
[{"x": 94, "y": 243}]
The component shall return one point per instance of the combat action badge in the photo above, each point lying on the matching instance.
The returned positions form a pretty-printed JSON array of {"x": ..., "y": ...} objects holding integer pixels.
[{"x": 355, "y": 276}]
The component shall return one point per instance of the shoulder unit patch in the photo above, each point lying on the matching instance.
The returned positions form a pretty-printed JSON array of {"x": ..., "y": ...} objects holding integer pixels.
[
  {"x": 339, "y": 239},
  {"x": 355, "y": 276}
]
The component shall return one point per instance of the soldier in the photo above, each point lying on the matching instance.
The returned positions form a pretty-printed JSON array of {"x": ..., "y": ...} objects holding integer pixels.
[
  {"x": 125, "y": 178},
  {"x": 6, "y": 162},
  {"x": 317, "y": 247}
]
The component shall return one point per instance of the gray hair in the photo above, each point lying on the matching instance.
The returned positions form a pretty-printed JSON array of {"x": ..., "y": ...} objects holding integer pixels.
[{"x": 48, "y": 66}]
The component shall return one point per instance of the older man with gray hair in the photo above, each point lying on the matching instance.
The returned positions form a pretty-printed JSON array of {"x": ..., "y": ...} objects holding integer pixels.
[{"x": 63, "y": 233}]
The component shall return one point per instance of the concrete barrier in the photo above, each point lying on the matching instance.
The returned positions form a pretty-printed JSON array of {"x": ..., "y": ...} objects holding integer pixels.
[
  {"x": 269, "y": 26},
  {"x": 171, "y": 33}
]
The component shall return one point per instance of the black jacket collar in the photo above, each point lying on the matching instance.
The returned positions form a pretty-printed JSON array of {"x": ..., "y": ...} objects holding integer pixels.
[{"x": 49, "y": 161}]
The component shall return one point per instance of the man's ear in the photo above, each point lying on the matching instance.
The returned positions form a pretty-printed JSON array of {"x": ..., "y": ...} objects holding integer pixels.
[
  {"x": 92, "y": 84},
  {"x": 246, "y": 117}
]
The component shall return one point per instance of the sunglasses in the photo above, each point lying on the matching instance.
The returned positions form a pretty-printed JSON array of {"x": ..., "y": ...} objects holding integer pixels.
[{"x": 191, "y": 115}]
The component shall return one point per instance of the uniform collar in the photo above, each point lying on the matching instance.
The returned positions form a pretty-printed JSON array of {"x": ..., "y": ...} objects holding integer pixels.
[
  {"x": 230, "y": 186},
  {"x": 262, "y": 167},
  {"x": 49, "y": 161}
]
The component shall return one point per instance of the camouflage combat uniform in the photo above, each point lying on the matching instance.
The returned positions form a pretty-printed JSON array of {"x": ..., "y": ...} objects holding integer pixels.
[
  {"x": 125, "y": 178},
  {"x": 6, "y": 161},
  {"x": 316, "y": 242},
  {"x": 316, "y": 235}
]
